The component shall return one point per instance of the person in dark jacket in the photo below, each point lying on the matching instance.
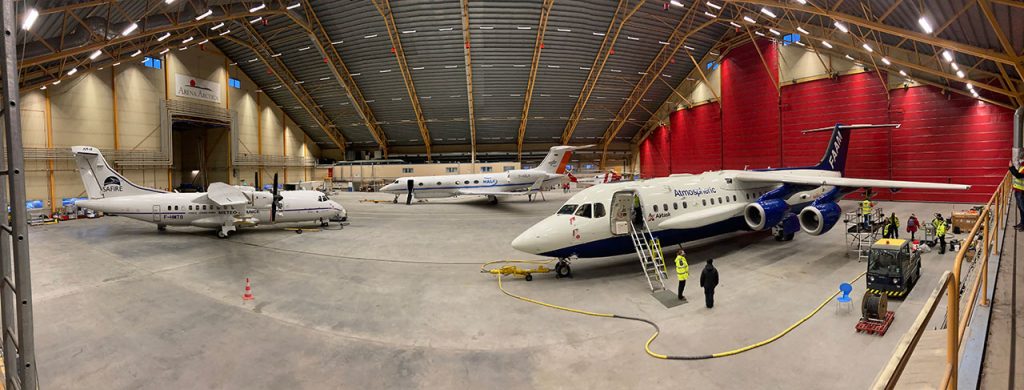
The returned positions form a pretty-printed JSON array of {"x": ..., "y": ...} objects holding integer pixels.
[{"x": 709, "y": 280}]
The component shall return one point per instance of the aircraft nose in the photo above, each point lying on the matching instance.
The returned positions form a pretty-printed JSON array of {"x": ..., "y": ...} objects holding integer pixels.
[{"x": 538, "y": 239}]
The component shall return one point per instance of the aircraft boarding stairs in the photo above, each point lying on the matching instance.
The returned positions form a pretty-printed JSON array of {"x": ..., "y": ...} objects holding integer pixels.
[{"x": 651, "y": 258}]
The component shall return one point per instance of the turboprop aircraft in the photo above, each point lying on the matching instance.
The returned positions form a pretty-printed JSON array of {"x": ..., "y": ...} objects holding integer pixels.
[
  {"x": 224, "y": 207},
  {"x": 492, "y": 185},
  {"x": 599, "y": 221},
  {"x": 590, "y": 181}
]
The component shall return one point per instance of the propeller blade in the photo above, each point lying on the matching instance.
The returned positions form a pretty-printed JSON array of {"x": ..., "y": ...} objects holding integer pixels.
[{"x": 274, "y": 202}]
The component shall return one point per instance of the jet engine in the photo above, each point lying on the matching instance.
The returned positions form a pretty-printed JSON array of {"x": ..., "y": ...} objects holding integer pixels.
[
  {"x": 817, "y": 219},
  {"x": 765, "y": 214}
]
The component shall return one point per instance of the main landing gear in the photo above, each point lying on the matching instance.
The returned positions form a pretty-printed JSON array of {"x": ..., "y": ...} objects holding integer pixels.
[
  {"x": 225, "y": 231},
  {"x": 562, "y": 269},
  {"x": 161, "y": 228},
  {"x": 492, "y": 199}
]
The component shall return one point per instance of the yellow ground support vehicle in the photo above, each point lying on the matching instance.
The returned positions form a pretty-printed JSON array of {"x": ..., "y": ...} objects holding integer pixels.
[{"x": 893, "y": 268}]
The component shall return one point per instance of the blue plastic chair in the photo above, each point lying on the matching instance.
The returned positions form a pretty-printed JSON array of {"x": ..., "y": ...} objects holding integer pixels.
[{"x": 845, "y": 298}]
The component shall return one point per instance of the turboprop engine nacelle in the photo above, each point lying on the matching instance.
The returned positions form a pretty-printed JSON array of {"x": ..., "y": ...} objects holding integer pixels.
[
  {"x": 765, "y": 214},
  {"x": 260, "y": 199},
  {"x": 819, "y": 219}
]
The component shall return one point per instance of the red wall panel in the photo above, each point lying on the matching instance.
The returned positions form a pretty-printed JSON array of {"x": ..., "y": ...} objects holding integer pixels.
[
  {"x": 696, "y": 139},
  {"x": 946, "y": 139},
  {"x": 857, "y": 98},
  {"x": 750, "y": 110},
  {"x": 949, "y": 139},
  {"x": 655, "y": 153}
]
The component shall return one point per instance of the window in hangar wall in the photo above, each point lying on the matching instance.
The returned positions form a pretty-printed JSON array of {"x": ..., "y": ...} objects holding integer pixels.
[
  {"x": 151, "y": 62},
  {"x": 790, "y": 39},
  {"x": 234, "y": 83}
]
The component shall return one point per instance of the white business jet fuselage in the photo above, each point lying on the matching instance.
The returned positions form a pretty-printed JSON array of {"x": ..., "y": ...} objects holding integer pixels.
[
  {"x": 224, "y": 207},
  {"x": 551, "y": 171},
  {"x": 597, "y": 221}
]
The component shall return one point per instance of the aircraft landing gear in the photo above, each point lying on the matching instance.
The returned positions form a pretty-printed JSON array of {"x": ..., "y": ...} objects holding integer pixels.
[
  {"x": 493, "y": 199},
  {"x": 395, "y": 201},
  {"x": 324, "y": 223},
  {"x": 225, "y": 231},
  {"x": 562, "y": 269},
  {"x": 161, "y": 228}
]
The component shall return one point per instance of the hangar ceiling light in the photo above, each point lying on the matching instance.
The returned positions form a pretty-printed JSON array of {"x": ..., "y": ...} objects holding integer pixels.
[
  {"x": 168, "y": 1},
  {"x": 710, "y": 15},
  {"x": 676, "y": 3},
  {"x": 187, "y": 40},
  {"x": 801, "y": 29},
  {"x": 749, "y": 19},
  {"x": 885, "y": 60},
  {"x": 257, "y": 8},
  {"x": 216, "y": 26},
  {"x": 925, "y": 25},
  {"x": 226, "y": 32},
  {"x": 902, "y": 73},
  {"x": 841, "y": 27},
  {"x": 735, "y": 25},
  {"x": 129, "y": 29},
  {"x": 30, "y": 18},
  {"x": 768, "y": 12},
  {"x": 136, "y": 53},
  {"x": 95, "y": 54},
  {"x": 713, "y": 5},
  {"x": 867, "y": 47},
  {"x": 960, "y": 74},
  {"x": 164, "y": 51},
  {"x": 72, "y": 71},
  {"x": 204, "y": 15},
  {"x": 256, "y": 20},
  {"x": 826, "y": 44},
  {"x": 948, "y": 55},
  {"x": 162, "y": 37},
  {"x": 294, "y": 6},
  {"x": 773, "y": 31}
]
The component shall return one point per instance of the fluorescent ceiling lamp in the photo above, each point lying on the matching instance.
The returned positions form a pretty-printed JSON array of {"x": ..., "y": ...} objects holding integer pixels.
[
  {"x": 409, "y": 32},
  {"x": 955, "y": 66},
  {"x": 826, "y": 44},
  {"x": 772, "y": 30},
  {"x": 216, "y": 26},
  {"x": 56, "y": 82},
  {"x": 948, "y": 55},
  {"x": 841, "y": 27},
  {"x": 226, "y": 32},
  {"x": 688, "y": 48},
  {"x": 257, "y": 8},
  {"x": 867, "y": 47},
  {"x": 849, "y": 57},
  {"x": 801, "y": 1},
  {"x": 927, "y": 27},
  {"x": 902, "y": 73},
  {"x": 43, "y": 88},
  {"x": 187, "y": 40},
  {"x": 276, "y": 55},
  {"x": 735, "y": 25},
  {"x": 72, "y": 71},
  {"x": 30, "y": 18},
  {"x": 168, "y": 1},
  {"x": 969, "y": 86},
  {"x": 183, "y": 48},
  {"x": 886, "y": 61},
  {"x": 801, "y": 29},
  {"x": 130, "y": 28},
  {"x": 95, "y": 54},
  {"x": 710, "y": 15},
  {"x": 205, "y": 14},
  {"x": 116, "y": 64},
  {"x": 256, "y": 20},
  {"x": 759, "y": 33},
  {"x": 304, "y": 48},
  {"x": 294, "y": 6},
  {"x": 136, "y": 53},
  {"x": 749, "y": 19},
  {"x": 713, "y": 5},
  {"x": 203, "y": 42},
  {"x": 768, "y": 12},
  {"x": 676, "y": 3},
  {"x": 162, "y": 37},
  {"x": 960, "y": 74},
  {"x": 800, "y": 43},
  {"x": 164, "y": 51}
]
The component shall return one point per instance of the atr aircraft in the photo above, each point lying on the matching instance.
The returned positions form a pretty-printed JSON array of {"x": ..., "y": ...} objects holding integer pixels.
[
  {"x": 551, "y": 171},
  {"x": 224, "y": 207},
  {"x": 599, "y": 221},
  {"x": 590, "y": 181}
]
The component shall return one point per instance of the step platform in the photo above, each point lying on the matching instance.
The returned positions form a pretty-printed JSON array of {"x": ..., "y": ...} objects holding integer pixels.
[{"x": 874, "y": 326}]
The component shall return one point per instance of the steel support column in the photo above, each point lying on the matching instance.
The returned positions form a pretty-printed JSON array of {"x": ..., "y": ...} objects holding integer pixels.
[{"x": 16, "y": 284}]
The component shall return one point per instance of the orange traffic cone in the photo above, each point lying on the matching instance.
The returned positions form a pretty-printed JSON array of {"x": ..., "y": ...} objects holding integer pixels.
[{"x": 248, "y": 292}]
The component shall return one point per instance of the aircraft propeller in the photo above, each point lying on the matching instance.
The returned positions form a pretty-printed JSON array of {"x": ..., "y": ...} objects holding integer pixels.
[{"x": 275, "y": 203}]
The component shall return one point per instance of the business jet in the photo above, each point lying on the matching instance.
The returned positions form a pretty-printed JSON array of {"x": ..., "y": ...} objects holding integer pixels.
[
  {"x": 224, "y": 207},
  {"x": 590, "y": 181},
  {"x": 551, "y": 171},
  {"x": 599, "y": 221}
]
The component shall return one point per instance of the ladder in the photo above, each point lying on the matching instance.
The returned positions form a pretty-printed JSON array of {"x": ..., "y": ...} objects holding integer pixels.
[{"x": 651, "y": 258}]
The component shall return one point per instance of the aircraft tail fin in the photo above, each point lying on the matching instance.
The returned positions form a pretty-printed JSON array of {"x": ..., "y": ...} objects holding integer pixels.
[
  {"x": 835, "y": 155},
  {"x": 558, "y": 157},
  {"x": 102, "y": 181}
]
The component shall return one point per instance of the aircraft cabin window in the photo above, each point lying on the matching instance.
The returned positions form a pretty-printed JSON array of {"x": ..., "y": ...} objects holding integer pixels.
[
  {"x": 189, "y": 207},
  {"x": 712, "y": 200},
  {"x": 467, "y": 181},
  {"x": 584, "y": 210},
  {"x": 168, "y": 208},
  {"x": 675, "y": 206},
  {"x": 438, "y": 183},
  {"x": 704, "y": 201},
  {"x": 665, "y": 206},
  {"x": 566, "y": 209},
  {"x": 476, "y": 181},
  {"x": 204, "y": 207},
  {"x": 175, "y": 208},
  {"x": 655, "y": 208},
  {"x": 421, "y": 184},
  {"x": 719, "y": 200},
  {"x": 599, "y": 210},
  {"x": 684, "y": 205},
  {"x": 734, "y": 198}
]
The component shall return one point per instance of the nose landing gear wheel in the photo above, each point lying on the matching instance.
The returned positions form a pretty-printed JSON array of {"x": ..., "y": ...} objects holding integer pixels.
[
  {"x": 562, "y": 269},
  {"x": 222, "y": 234}
]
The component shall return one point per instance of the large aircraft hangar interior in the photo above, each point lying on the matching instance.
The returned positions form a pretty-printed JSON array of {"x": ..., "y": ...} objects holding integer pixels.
[{"x": 520, "y": 194}]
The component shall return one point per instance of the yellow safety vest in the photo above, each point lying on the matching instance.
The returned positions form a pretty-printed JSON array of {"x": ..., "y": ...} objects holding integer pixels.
[
  {"x": 1018, "y": 184},
  {"x": 896, "y": 221},
  {"x": 682, "y": 268},
  {"x": 865, "y": 207},
  {"x": 940, "y": 230}
]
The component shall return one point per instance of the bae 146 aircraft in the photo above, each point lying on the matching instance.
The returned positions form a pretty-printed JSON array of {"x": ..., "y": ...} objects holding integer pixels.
[
  {"x": 224, "y": 207},
  {"x": 598, "y": 221},
  {"x": 551, "y": 171}
]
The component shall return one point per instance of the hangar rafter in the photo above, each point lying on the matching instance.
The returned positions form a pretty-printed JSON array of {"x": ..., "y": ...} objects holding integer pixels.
[{"x": 542, "y": 25}]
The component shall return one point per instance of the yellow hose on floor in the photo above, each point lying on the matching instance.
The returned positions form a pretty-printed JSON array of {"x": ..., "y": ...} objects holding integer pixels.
[{"x": 657, "y": 330}]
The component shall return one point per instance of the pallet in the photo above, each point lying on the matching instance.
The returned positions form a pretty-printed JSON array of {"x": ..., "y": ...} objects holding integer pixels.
[{"x": 875, "y": 327}]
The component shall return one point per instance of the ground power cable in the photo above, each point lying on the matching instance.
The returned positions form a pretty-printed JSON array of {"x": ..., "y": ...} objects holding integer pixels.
[{"x": 657, "y": 330}]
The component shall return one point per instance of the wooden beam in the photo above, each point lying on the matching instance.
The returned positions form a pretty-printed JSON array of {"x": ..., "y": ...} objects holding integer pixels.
[
  {"x": 538, "y": 44},
  {"x": 767, "y": 69},
  {"x": 469, "y": 82},
  {"x": 986, "y": 8},
  {"x": 384, "y": 7},
  {"x": 606, "y": 49}
]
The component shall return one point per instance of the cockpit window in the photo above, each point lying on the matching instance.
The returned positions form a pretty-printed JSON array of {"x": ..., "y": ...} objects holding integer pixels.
[
  {"x": 599, "y": 210},
  {"x": 584, "y": 211},
  {"x": 566, "y": 209}
]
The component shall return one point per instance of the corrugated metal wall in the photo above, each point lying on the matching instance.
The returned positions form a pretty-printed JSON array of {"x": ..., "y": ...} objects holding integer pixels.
[{"x": 943, "y": 138}]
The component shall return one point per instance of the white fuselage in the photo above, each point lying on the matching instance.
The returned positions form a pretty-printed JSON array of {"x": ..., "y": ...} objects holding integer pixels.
[
  {"x": 710, "y": 204},
  {"x": 195, "y": 209},
  {"x": 519, "y": 180}
]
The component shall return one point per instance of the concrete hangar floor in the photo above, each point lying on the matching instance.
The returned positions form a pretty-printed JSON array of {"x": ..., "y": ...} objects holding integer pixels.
[{"x": 396, "y": 300}]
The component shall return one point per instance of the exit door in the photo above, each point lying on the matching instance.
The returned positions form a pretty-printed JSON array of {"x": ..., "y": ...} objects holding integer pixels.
[
  {"x": 156, "y": 213},
  {"x": 621, "y": 212}
]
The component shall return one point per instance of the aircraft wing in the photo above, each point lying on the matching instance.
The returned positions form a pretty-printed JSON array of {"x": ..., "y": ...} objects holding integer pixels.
[
  {"x": 225, "y": 195},
  {"x": 782, "y": 177},
  {"x": 701, "y": 218}
]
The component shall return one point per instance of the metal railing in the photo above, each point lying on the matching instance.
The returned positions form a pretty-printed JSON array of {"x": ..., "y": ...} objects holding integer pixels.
[{"x": 990, "y": 223}]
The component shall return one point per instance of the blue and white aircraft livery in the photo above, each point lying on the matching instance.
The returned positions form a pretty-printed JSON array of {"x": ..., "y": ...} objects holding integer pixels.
[
  {"x": 597, "y": 221},
  {"x": 551, "y": 171},
  {"x": 224, "y": 207}
]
